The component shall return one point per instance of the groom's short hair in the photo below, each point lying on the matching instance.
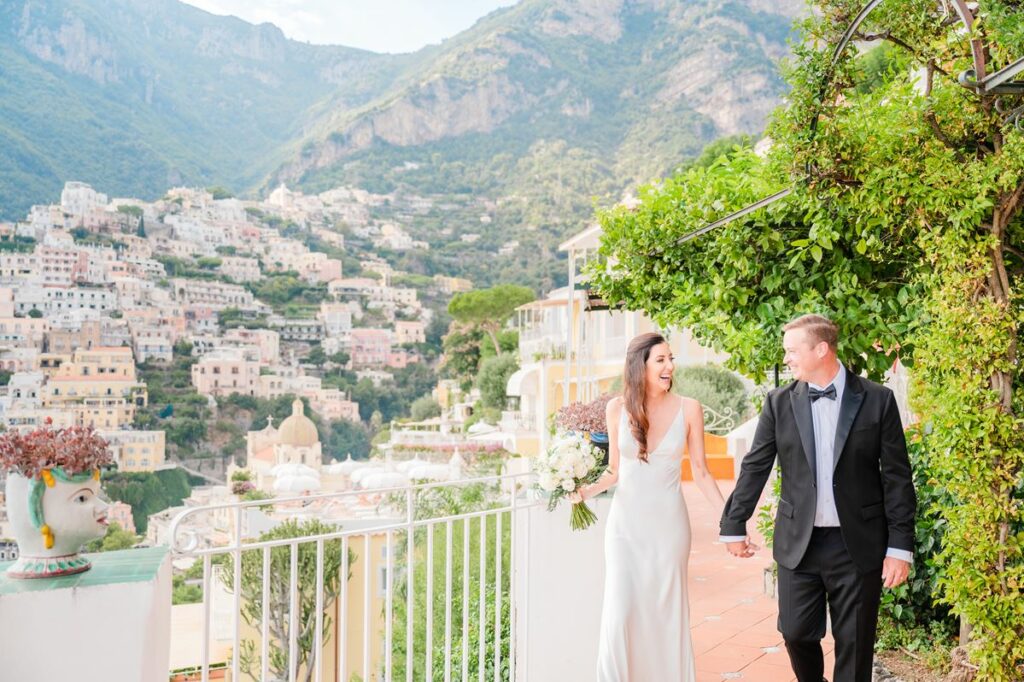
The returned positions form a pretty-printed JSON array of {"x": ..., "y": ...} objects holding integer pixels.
[{"x": 818, "y": 327}]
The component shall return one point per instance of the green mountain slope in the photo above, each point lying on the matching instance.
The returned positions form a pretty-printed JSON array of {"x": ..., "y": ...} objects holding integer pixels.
[
  {"x": 555, "y": 102},
  {"x": 136, "y": 95}
]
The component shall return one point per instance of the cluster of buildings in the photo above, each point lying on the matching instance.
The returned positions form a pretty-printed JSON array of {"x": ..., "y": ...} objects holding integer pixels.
[{"x": 93, "y": 286}]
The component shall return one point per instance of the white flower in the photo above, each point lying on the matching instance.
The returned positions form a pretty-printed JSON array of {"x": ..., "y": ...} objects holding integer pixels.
[
  {"x": 569, "y": 485},
  {"x": 547, "y": 482}
]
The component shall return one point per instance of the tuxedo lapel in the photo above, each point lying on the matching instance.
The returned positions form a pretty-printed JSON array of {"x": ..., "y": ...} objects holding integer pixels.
[
  {"x": 853, "y": 397},
  {"x": 805, "y": 424}
]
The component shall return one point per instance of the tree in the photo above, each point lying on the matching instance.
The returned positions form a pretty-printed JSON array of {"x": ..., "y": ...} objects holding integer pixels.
[
  {"x": 35, "y": 313},
  {"x": 716, "y": 388},
  {"x": 279, "y": 591},
  {"x": 461, "y": 358},
  {"x": 493, "y": 379},
  {"x": 488, "y": 309},
  {"x": 147, "y": 493},
  {"x": 115, "y": 538},
  {"x": 903, "y": 222},
  {"x": 218, "y": 192},
  {"x": 425, "y": 407},
  {"x": 316, "y": 356},
  {"x": 348, "y": 438}
]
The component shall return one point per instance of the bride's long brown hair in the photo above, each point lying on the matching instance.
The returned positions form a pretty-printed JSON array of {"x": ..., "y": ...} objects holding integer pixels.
[{"x": 634, "y": 382}]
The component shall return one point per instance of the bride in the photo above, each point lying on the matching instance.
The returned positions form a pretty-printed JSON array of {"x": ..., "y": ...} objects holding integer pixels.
[{"x": 645, "y": 620}]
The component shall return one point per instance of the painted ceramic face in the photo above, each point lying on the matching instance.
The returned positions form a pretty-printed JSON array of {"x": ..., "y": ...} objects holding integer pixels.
[{"x": 75, "y": 512}]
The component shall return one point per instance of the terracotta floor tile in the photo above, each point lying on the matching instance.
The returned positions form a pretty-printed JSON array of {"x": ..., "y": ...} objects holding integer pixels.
[
  {"x": 718, "y": 664},
  {"x": 739, "y": 654},
  {"x": 762, "y": 671}
]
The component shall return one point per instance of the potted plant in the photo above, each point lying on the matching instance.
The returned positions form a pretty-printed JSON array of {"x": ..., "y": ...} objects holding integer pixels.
[
  {"x": 587, "y": 418},
  {"x": 53, "y": 502}
]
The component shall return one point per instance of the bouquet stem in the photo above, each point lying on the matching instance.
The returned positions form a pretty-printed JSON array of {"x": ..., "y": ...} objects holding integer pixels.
[{"x": 581, "y": 517}]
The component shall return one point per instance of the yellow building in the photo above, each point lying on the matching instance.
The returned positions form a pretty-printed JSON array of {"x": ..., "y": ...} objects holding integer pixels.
[
  {"x": 99, "y": 386},
  {"x": 136, "y": 450}
]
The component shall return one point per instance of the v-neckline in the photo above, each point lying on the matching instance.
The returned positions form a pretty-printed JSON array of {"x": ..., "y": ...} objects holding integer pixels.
[{"x": 669, "y": 429}]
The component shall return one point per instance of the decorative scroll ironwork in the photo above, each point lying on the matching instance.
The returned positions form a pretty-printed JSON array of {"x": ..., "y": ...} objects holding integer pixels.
[{"x": 719, "y": 423}]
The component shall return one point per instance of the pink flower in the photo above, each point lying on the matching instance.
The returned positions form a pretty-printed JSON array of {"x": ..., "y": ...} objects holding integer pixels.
[{"x": 584, "y": 416}]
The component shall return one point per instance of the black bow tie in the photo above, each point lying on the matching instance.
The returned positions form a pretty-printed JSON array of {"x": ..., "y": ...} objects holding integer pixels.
[{"x": 816, "y": 393}]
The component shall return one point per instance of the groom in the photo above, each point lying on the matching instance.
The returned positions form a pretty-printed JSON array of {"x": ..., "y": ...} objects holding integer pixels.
[{"x": 845, "y": 525}]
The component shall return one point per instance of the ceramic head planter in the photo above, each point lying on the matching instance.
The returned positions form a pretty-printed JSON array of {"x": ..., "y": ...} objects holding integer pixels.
[{"x": 53, "y": 498}]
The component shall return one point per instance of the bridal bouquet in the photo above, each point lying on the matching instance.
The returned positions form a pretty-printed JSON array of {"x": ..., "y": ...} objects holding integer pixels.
[{"x": 569, "y": 463}]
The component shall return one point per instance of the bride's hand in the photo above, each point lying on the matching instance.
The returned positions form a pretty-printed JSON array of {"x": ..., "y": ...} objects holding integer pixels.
[{"x": 576, "y": 496}]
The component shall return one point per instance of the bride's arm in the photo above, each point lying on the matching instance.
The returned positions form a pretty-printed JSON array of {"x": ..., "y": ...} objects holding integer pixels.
[
  {"x": 698, "y": 460},
  {"x": 611, "y": 475}
]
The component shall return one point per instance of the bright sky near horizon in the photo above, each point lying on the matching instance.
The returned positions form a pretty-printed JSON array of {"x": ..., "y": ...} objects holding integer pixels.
[{"x": 378, "y": 25}]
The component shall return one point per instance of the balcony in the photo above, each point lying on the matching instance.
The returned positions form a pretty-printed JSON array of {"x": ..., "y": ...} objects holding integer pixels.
[{"x": 497, "y": 588}]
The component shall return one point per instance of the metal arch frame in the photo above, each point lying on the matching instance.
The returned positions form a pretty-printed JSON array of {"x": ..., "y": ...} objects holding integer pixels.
[{"x": 975, "y": 79}]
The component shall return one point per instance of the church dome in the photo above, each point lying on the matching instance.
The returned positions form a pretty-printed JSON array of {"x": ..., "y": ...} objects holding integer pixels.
[{"x": 298, "y": 430}]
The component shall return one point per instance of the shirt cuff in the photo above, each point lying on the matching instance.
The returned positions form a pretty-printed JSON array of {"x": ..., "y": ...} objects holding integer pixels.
[
  {"x": 900, "y": 554},
  {"x": 732, "y": 538}
]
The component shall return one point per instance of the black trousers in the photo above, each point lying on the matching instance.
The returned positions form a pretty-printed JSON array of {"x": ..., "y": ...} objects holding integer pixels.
[{"x": 827, "y": 576}]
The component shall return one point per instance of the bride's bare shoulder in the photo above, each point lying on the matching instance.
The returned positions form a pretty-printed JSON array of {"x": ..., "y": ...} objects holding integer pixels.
[
  {"x": 614, "y": 405},
  {"x": 690, "y": 404}
]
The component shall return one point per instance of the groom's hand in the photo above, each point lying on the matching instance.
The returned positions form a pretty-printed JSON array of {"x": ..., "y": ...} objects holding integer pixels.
[
  {"x": 744, "y": 549},
  {"x": 894, "y": 571}
]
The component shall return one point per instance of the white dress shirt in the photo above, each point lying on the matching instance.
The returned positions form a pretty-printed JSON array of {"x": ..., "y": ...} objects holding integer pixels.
[{"x": 825, "y": 417}]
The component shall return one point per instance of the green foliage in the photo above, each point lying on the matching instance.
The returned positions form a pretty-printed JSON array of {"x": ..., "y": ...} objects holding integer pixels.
[
  {"x": 241, "y": 475},
  {"x": 219, "y": 192},
  {"x": 252, "y": 585},
  {"x": 493, "y": 379},
  {"x": 116, "y": 538},
  {"x": 316, "y": 356},
  {"x": 904, "y": 224},
  {"x": 488, "y": 309},
  {"x": 424, "y": 407},
  {"x": 433, "y": 503},
  {"x": 208, "y": 263},
  {"x": 180, "y": 115},
  {"x": 913, "y": 604},
  {"x": 147, "y": 493},
  {"x": 281, "y": 289},
  {"x": 18, "y": 245},
  {"x": 5, "y": 376},
  {"x": 462, "y": 352},
  {"x": 35, "y": 313},
  {"x": 715, "y": 387},
  {"x": 348, "y": 438}
]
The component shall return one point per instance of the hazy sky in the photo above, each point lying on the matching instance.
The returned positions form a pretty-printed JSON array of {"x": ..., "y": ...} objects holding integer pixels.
[{"x": 378, "y": 25}]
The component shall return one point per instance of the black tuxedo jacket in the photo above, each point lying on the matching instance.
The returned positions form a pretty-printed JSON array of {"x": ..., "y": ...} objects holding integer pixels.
[{"x": 872, "y": 481}]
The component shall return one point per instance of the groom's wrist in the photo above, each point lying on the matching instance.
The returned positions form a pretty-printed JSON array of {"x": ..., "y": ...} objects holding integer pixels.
[{"x": 732, "y": 538}]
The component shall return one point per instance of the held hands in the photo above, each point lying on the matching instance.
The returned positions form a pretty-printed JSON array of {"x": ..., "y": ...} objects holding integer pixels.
[
  {"x": 743, "y": 549},
  {"x": 894, "y": 572}
]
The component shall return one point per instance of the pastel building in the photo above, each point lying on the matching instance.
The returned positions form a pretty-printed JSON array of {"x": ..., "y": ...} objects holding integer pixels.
[
  {"x": 225, "y": 371},
  {"x": 99, "y": 387},
  {"x": 136, "y": 450},
  {"x": 371, "y": 347},
  {"x": 410, "y": 331}
]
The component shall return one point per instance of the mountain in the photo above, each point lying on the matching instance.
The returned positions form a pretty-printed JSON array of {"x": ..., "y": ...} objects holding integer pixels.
[
  {"x": 135, "y": 96},
  {"x": 543, "y": 107},
  {"x": 637, "y": 85}
]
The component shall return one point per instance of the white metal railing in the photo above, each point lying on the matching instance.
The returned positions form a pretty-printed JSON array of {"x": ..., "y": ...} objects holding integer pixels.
[{"x": 504, "y": 497}]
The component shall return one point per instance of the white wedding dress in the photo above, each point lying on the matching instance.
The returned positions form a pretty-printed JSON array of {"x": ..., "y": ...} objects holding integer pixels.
[{"x": 645, "y": 620}]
